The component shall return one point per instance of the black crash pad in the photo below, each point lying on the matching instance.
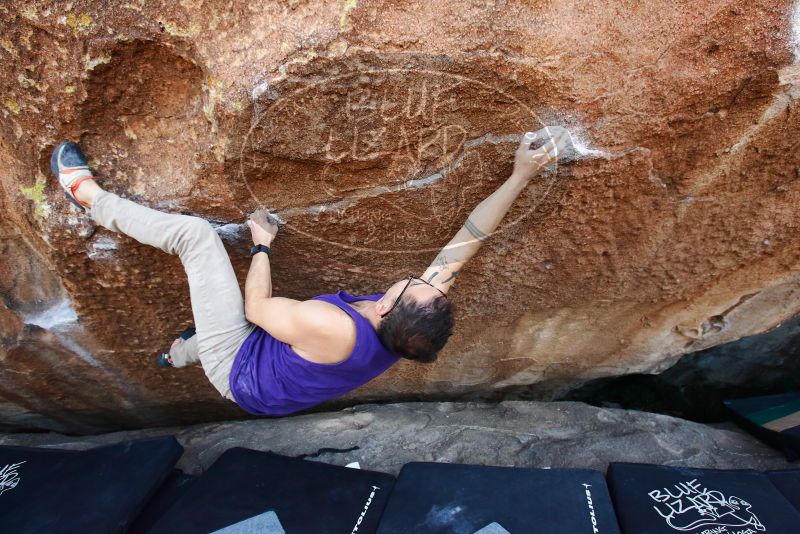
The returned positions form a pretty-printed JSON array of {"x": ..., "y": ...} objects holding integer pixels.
[
  {"x": 243, "y": 486},
  {"x": 168, "y": 493},
  {"x": 657, "y": 499},
  {"x": 774, "y": 419},
  {"x": 465, "y": 499},
  {"x": 788, "y": 483},
  {"x": 97, "y": 490}
]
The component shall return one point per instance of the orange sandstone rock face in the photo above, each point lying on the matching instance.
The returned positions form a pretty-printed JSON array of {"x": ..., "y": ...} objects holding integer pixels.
[{"x": 373, "y": 128}]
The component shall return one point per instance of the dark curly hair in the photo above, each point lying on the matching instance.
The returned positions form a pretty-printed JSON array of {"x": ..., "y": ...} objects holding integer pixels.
[{"x": 417, "y": 331}]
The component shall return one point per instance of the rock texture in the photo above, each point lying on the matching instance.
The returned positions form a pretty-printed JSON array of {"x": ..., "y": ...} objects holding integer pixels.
[
  {"x": 373, "y": 127},
  {"x": 522, "y": 434}
]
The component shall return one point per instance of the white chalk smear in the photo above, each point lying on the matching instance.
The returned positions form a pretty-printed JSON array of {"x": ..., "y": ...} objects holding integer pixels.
[
  {"x": 339, "y": 205},
  {"x": 105, "y": 243},
  {"x": 230, "y": 231},
  {"x": 76, "y": 349},
  {"x": 102, "y": 248},
  {"x": 449, "y": 515},
  {"x": 582, "y": 148},
  {"x": 260, "y": 89},
  {"x": 795, "y": 30},
  {"x": 422, "y": 182},
  {"x": 492, "y": 139},
  {"x": 576, "y": 135},
  {"x": 61, "y": 320},
  {"x": 59, "y": 314}
]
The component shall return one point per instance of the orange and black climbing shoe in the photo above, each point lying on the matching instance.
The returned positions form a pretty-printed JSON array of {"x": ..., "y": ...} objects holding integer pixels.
[{"x": 71, "y": 168}]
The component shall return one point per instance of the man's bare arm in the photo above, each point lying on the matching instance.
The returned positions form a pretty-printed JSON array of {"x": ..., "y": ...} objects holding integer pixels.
[
  {"x": 264, "y": 228},
  {"x": 303, "y": 324},
  {"x": 486, "y": 217},
  {"x": 273, "y": 314}
]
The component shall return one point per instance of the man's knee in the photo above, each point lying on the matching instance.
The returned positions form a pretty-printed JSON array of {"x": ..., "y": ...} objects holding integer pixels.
[{"x": 196, "y": 231}]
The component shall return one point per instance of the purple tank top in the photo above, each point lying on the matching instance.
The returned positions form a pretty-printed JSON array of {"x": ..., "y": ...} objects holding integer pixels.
[{"x": 269, "y": 378}]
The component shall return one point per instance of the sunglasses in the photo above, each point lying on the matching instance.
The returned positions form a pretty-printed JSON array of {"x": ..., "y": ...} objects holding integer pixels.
[{"x": 411, "y": 278}]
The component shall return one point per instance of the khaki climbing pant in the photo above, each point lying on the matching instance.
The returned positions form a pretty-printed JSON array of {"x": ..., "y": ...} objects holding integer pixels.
[{"x": 217, "y": 303}]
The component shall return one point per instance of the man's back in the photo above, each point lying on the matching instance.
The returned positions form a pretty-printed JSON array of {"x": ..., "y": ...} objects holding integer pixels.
[{"x": 270, "y": 378}]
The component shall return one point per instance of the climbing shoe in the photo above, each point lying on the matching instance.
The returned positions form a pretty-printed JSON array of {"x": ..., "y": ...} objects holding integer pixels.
[
  {"x": 71, "y": 168},
  {"x": 164, "y": 359}
]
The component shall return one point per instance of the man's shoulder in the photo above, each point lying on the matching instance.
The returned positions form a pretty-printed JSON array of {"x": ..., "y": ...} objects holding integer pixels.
[
  {"x": 323, "y": 316},
  {"x": 331, "y": 332}
]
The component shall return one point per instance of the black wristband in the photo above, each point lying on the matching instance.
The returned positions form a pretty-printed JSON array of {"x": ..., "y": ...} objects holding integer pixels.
[{"x": 259, "y": 248}]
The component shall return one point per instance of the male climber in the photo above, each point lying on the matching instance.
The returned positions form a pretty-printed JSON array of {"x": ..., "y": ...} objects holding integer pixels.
[{"x": 275, "y": 355}]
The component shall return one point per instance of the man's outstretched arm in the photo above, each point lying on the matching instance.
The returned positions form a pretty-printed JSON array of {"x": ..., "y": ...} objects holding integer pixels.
[{"x": 486, "y": 216}]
